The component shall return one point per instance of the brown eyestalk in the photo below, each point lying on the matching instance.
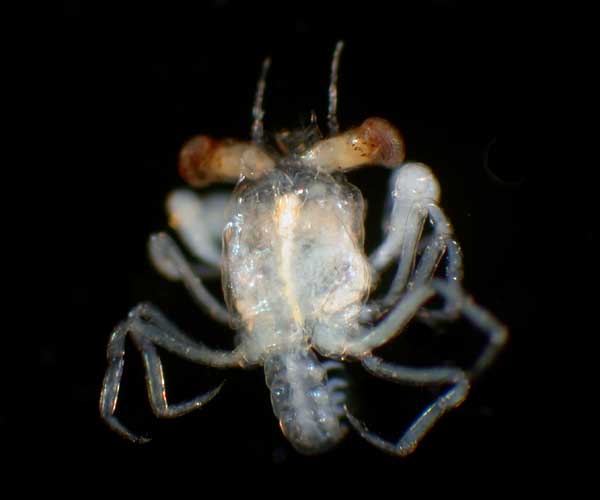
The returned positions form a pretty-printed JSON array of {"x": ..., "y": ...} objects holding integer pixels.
[
  {"x": 375, "y": 142},
  {"x": 204, "y": 160}
]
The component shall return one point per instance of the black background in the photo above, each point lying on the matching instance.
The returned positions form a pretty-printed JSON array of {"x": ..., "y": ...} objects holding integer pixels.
[{"x": 133, "y": 83}]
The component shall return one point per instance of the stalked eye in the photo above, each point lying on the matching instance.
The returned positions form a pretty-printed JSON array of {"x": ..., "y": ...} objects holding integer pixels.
[
  {"x": 375, "y": 142},
  {"x": 204, "y": 160}
]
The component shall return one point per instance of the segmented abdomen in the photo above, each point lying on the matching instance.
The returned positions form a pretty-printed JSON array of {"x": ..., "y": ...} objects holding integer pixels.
[{"x": 308, "y": 405}]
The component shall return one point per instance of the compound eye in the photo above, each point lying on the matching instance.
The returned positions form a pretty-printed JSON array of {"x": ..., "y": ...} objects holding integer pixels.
[
  {"x": 381, "y": 142},
  {"x": 195, "y": 161}
]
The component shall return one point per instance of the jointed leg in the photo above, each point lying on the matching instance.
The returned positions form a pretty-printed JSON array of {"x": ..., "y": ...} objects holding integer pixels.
[
  {"x": 157, "y": 392},
  {"x": 400, "y": 244},
  {"x": 392, "y": 324},
  {"x": 496, "y": 332},
  {"x": 413, "y": 191},
  {"x": 497, "y": 337},
  {"x": 168, "y": 258},
  {"x": 442, "y": 240},
  {"x": 440, "y": 243},
  {"x": 412, "y": 303},
  {"x": 444, "y": 243},
  {"x": 410, "y": 276},
  {"x": 149, "y": 328},
  {"x": 403, "y": 233},
  {"x": 199, "y": 222},
  {"x": 447, "y": 401},
  {"x": 412, "y": 188}
]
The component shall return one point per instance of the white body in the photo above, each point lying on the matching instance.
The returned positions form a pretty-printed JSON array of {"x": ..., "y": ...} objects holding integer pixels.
[
  {"x": 295, "y": 275},
  {"x": 294, "y": 260},
  {"x": 296, "y": 278}
]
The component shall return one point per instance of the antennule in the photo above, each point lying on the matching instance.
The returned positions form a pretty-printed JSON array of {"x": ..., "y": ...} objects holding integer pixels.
[
  {"x": 332, "y": 119},
  {"x": 258, "y": 112}
]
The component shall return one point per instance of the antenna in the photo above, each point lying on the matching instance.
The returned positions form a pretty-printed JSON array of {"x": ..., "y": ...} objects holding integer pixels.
[
  {"x": 258, "y": 112},
  {"x": 332, "y": 120}
]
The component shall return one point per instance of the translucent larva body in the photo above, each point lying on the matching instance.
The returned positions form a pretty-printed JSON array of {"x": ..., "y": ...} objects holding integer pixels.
[
  {"x": 293, "y": 258},
  {"x": 298, "y": 286},
  {"x": 294, "y": 261}
]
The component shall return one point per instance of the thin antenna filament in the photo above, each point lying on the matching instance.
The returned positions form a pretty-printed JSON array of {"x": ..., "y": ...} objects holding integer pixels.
[
  {"x": 258, "y": 112},
  {"x": 332, "y": 119}
]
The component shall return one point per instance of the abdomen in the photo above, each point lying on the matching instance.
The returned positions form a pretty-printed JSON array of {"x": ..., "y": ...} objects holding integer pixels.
[{"x": 309, "y": 407}]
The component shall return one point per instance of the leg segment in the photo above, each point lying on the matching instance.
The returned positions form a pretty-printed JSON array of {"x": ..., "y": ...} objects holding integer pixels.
[
  {"x": 412, "y": 303},
  {"x": 447, "y": 401},
  {"x": 155, "y": 381},
  {"x": 149, "y": 328},
  {"x": 393, "y": 323},
  {"x": 431, "y": 252},
  {"x": 199, "y": 222},
  {"x": 401, "y": 244},
  {"x": 168, "y": 258},
  {"x": 440, "y": 242},
  {"x": 412, "y": 187},
  {"x": 405, "y": 227},
  {"x": 443, "y": 243},
  {"x": 496, "y": 332}
]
